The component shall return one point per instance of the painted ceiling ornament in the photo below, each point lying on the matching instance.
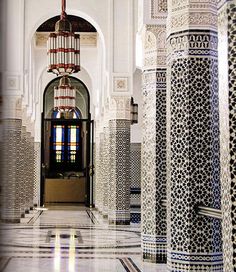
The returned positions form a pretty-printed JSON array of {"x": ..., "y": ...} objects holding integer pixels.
[{"x": 63, "y": 47}]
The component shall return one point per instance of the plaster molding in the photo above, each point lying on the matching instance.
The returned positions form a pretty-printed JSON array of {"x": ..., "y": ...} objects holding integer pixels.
[{"x": 87, "y": 39}]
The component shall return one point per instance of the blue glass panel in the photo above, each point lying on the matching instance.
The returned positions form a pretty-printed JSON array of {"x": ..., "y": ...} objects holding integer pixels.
[{"x": 77, "y": 137}]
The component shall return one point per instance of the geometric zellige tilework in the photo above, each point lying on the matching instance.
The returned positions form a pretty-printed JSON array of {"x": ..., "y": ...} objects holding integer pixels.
[
  {"x": 154, "y": 166},
  {"x": 135, "y": 165},
  {"x": 119, "y": 193},
  {"x": 135, "y": 183},
  {"x": 232, "y": 115},
  {"x": 36, "y": 172},
  {"x": 98, "y": 174},
  {"x": 23, "y": 171},
  {"x": 194, "y": 241},
  {"x": 105, "y": 171},
  {"x": 10, "y": 182}
]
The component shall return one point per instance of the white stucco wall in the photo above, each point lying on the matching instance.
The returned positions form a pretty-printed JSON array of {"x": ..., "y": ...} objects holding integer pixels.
[{"x": 116, "y": 23}]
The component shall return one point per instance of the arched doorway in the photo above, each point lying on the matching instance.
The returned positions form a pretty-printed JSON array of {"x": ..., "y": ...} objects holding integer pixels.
[{"x": 66, "y": 150}]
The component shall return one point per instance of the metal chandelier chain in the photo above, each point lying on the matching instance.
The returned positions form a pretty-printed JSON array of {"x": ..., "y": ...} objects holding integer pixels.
[{"x": 63, "y": 9}]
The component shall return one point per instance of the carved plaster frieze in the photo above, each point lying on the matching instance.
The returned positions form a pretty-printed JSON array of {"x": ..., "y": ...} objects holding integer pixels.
[
  {"x": 183, "y": 21},
  {"x": 192, "y": 43},
  {"x": 192, "y": 5}
]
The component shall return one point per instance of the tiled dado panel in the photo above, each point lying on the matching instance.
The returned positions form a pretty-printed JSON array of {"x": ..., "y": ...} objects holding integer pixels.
[
  {"x": 194, "y": 241},
  {"x": 135, "y": 185},
  {"x": 119, "y": 195},
  {"x": 10, "y": 182},
  {"x": 232, "y": 115},
  {"x": 154, "y": 166}
]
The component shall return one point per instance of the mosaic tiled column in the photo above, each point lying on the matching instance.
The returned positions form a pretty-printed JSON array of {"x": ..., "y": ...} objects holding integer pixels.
[
  {"x": 193, "y": 157},
  {"x": 27, "y": 171},
  {"x": 101, "y": 169},
  {"x": 119, "y": 195},
  {"x": 98, "y": 173},
  {"x": 119, "y": 134},
  {"x": 31, "y": 170},
  {"x": 135, "y": 182},
  {"x": 36, "y": 173},
  {"x": 10, "y": 182},
  {"x": 154, "y": 147},
  {"x": 23, "y": 173},
  {"x": 227, "y": 90},
  {"x": 106, "y": 171}
]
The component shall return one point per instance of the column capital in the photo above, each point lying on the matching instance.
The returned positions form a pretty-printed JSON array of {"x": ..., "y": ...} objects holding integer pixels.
[
  {"x": 119, "y": 107},
  {"x": 11, "y": 107},
  {"x": 154, "y": 38}
]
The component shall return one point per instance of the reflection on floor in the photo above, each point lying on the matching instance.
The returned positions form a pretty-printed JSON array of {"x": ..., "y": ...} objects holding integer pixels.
[{"x": 71, "y": 239}]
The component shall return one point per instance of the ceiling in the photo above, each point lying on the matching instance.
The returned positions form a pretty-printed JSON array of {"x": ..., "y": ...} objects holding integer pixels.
[{"x": 78, "y": 24}]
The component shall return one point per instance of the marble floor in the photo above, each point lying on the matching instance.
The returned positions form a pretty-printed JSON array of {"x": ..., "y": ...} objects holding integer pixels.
[{"x": 71, "y": 239}]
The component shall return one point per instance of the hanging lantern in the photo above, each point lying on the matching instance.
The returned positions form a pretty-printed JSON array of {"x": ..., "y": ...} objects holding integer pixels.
[
  {"x": 64, "y": 95},
  {"x": 63, "y": 47}
]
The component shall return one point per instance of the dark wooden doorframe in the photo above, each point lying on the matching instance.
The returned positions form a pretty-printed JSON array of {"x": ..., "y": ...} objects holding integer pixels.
[{"x": 89, "y": 202}]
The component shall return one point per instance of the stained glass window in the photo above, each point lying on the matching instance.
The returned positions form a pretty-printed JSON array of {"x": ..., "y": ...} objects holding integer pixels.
[
  {"x": 59, "y": 142},
  {"x": 65, "y": 145},
  {"x": 73, "y": 143}
]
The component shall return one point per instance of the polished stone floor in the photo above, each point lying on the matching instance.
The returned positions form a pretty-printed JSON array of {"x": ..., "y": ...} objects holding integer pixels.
[{"x": 71, "y": 239}]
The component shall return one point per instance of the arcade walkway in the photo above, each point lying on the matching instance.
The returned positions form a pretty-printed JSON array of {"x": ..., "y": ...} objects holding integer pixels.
[{"x": 69, "y": 239}]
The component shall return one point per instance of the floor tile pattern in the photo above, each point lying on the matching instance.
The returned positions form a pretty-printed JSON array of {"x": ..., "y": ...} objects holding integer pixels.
[{"x": 71, "y": 238}]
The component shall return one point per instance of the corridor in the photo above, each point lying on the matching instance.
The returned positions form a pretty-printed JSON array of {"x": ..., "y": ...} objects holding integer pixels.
[{"x": 71, "y": 238}]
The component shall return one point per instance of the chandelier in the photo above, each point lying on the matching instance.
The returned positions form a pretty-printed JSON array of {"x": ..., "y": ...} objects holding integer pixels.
[
  {"x": 63, "y": 50},
  {"x": 63, "y": 47},
  {"x": 64, "y": 95}
]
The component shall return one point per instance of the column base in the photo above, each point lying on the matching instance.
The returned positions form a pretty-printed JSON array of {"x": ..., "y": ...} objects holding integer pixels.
[
  {"x": 9, "y": 220},
  {"x": 154, "y": 258},
  {"x": 119, "y": 217},
  {"x": 195, "y": 262},
  {"x": 154, "y": 248},
  {"x": 119, "y": 222}
]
